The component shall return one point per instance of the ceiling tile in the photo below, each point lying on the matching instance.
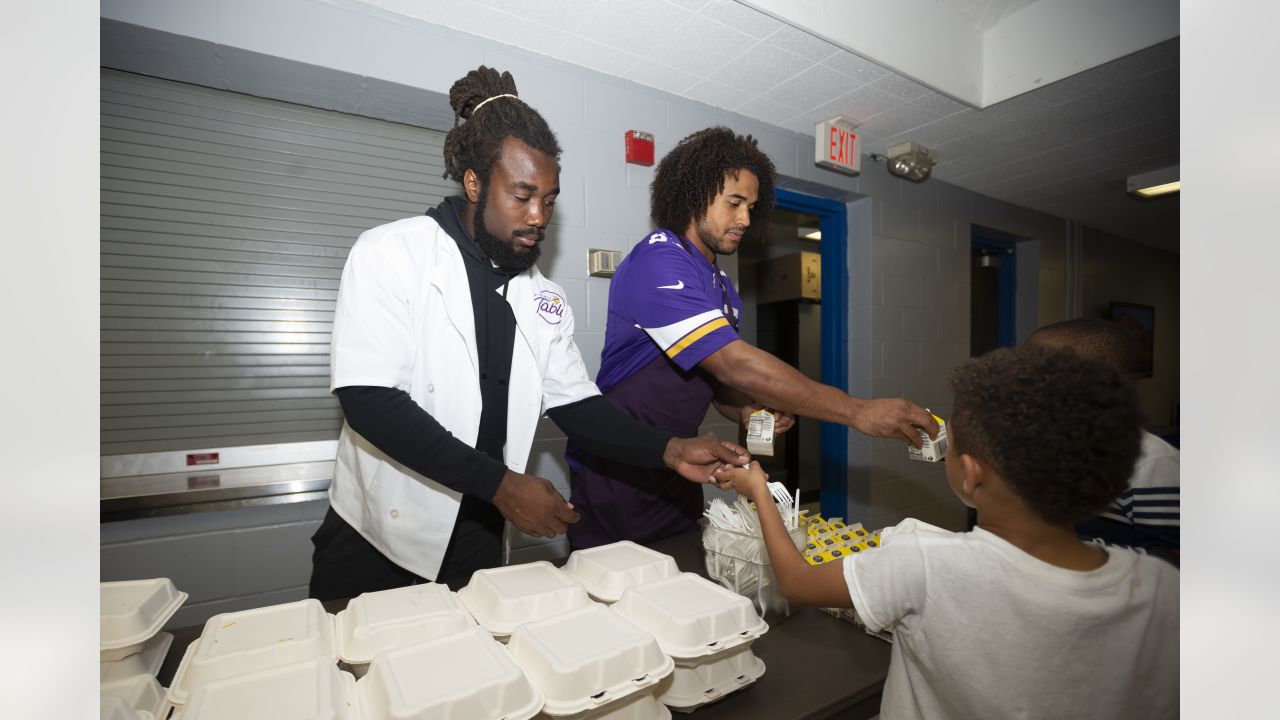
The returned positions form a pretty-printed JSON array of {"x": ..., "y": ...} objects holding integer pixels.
[
  {"x": 940, "y": 104},
  {"x": 858, "y": 105},
  {"x": 931, "y": 135},
  {"x": 603, "y": 58},
  {"x": 761, "y": 66},
  {"x": 811, "y": 88},
  {"x": 1160, "y": 56},
  {"x": 644, "y": 25},
  {"x": 716, "y": 94},
  {"x": 899, "y": 119},
  {"x": 803, "y": 44},
  {"x": 900, "y": 87},
  {"x": 664, "y": 77},
  {"x": 741, "y": 18},
  {"x": 767, "y": 110},
  {"x": 700, "y": 43},
  {"x": 855, "y": 66},
  {"x": 692, "y": 5},
  {"x": 1167, "y": 78},
  {"x": 562, "y": 14}
]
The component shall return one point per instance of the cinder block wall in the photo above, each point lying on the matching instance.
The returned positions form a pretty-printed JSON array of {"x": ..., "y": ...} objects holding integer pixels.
[{"x": 908, "y": 316}]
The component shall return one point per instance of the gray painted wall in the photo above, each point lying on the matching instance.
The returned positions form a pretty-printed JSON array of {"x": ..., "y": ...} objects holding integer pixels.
[{"x": 908, "y": 254}]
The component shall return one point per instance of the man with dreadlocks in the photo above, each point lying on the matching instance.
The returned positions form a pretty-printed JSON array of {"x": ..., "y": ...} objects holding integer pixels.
[
  {"x": 448, "y": 345},
  {"x": 672, "y": 349}
]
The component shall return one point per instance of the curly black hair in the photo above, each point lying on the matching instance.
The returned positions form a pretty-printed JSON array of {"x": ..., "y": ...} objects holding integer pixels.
[
  {"x": 1062, "y": 430},
  {"x": 476, "y": 138},
  {"x": 690, "y": 177},
  {"x": 1094, "y": 338}
]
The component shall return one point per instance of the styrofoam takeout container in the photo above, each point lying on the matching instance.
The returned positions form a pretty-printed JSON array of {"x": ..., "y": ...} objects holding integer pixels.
[
  {"x": 247, "y": 641},
  {"x": 692, "y": 687},
  {"x": 113, "y": 707},
  {"x": 502, "y": 598},
  {"x": 141, "y": 692},
  {"x": 587, "y": 658},
  {"x": 641, "y": 706},
  {"x": 388, "y": 619},
  {"x": 313, "y": 688},
  {"x": 691, "y": 616},
  {"x": 131, "y": 612},
  {"x": 607, "y": 570},
  {"x": 460, "y": 676},
  {"x": 146, "y": 661}
]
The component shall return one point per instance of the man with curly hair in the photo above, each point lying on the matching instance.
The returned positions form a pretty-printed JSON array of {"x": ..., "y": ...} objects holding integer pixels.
[
  {"x": 1146, "y": 514},
  {"x": 1018, "y": 618},
  {"x": 672, "y": 348},
  {"x": 448, "y": 345}
]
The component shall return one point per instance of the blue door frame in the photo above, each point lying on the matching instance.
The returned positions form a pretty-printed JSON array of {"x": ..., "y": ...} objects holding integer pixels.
[
  {"x": 834, "y": 223},
  {"x": 1006, "y": 283}
]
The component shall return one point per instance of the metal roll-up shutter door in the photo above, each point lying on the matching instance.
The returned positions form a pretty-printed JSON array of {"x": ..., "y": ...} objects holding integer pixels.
[{"x": 226, "y": 220}]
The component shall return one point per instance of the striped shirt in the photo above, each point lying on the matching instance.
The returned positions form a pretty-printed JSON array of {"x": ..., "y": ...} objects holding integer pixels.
[{"x": 1147, "y": 514}]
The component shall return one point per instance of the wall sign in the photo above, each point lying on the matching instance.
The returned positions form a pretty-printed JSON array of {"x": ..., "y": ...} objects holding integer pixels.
[{"x": 836, "y": 147}]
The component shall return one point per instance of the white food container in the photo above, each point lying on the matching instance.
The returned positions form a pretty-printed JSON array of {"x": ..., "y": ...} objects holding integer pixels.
[
  {"x": 587, "y": 658},
  {"x": 140, "y": 692},
  {"x": 131, "y": 612},
  {"x": 389, "y": 619},
  {"x": 116, "y": 708},
  {"x": 146, "y": 661},
  {"x": 314, "y": 689},
  {"x": 250, "y": 640},
  {"x": 460, "y": 676},
  {"x": 609, "y": 569},
  {"x": 502, "y": 598},
  {"x": 642, "y": 706},
  {"x": 691, "y": 616},
  {"x": 692, "y": 687}
]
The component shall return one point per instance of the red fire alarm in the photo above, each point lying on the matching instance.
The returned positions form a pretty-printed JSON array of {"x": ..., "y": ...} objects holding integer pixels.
[{"x": 639, "y": 147}]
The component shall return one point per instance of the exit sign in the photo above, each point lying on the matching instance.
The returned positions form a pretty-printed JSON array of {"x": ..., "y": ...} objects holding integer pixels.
[{"x": 836, "y": 146}]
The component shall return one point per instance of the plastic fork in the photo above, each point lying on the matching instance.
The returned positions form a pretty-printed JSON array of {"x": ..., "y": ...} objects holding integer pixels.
[{"x": 780, "y": 493}]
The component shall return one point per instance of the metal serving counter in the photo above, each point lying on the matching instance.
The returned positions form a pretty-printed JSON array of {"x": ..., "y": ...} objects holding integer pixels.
[{"x": 816, "y": 666}]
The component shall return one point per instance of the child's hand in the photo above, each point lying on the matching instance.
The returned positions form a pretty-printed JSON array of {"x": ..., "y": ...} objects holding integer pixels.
[{"x": 749, "y": 481}]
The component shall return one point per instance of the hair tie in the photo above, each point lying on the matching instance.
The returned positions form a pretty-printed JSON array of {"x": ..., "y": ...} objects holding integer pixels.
[{"x": 495, "y": 97}]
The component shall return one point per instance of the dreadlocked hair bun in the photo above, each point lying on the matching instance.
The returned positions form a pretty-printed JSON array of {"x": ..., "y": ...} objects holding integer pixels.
[{"x": 476, "y": 138}]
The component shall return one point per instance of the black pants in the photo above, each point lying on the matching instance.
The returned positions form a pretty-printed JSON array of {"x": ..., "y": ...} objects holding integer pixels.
[{"x": 344, "y": 564}]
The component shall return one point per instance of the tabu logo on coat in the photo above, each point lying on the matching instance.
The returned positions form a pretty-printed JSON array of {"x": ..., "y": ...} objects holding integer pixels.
[{"x": 550, "y": 306}]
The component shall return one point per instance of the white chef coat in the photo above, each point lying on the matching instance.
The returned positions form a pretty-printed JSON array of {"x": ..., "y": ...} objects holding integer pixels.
[{"x": 404, "y": 320}]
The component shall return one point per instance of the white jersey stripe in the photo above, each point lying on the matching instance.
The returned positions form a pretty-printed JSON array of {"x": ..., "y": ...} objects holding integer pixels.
[{"x": 669, "y": 335}]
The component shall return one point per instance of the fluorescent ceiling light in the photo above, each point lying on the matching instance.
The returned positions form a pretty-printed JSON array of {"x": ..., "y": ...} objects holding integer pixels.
[
  {"x": 1155, "y": 183},
  {"x": 809, "y": 233}
]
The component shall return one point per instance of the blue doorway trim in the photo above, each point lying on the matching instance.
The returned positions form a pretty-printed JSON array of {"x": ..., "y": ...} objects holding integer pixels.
[
  {"x": 1006, "y": 282},
  {"x": 834, "y": 223}
]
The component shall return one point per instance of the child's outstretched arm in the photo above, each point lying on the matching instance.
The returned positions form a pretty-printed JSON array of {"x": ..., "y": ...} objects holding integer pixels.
[{"x": 800, "y": 582}]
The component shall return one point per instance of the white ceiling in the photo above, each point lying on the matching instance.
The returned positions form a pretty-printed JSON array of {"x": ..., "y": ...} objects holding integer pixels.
[{"x": 1065, "y": 148}]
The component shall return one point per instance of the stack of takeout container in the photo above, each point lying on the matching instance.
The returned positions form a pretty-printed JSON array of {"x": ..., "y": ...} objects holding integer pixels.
[
  {"x": 606, "y": 571},
  {"x": 708, "y": 631},
  {"x": 501, "y": 599},
  {"x": 458, "y": 676},
  {"x": 591, "y": 662},
  {"x": 388, "y": 619},
  {"x": 274, "y": 661},
  {"x": 131, "y": 646}
]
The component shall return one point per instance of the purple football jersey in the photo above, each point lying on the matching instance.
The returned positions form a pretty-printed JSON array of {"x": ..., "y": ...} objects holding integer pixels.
[
  {"x": 669, "y": 308},
  {"x": 666, "y": 298}
]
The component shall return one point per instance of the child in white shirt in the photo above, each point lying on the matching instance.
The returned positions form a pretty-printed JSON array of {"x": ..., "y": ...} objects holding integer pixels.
[{"x": 1018, "y": 618}]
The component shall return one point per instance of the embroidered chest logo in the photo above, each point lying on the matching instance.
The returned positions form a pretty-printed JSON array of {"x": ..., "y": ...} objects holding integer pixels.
[{"x": 550, "y": 306}]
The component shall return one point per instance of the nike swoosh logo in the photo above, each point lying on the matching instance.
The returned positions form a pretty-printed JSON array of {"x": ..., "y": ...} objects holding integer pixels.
[{"x": 677, "y": 286}]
